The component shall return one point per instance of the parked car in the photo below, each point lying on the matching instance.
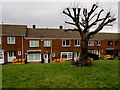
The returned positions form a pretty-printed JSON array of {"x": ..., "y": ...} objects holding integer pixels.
[{"x": 108, "y": 57}]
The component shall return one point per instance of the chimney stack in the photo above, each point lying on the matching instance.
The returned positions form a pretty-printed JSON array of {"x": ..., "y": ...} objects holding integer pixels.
[
  {"x": 60, "y": 27},
  {"x": 34, "y": 26}
]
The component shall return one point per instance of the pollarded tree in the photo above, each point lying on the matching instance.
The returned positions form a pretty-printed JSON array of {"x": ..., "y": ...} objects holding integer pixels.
[{"x": 83, "y": 20}]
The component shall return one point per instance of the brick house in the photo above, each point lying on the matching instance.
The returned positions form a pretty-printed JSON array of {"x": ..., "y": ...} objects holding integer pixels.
[
  {"x": 42, "y": 45},
  {"x": 11, "y": 42}
]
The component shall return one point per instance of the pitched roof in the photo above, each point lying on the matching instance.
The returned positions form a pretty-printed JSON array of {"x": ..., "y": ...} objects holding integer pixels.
[
  {"x": 51, "y": 33},
  {"x": 13, "y": 30},
  {"x": 60, "y": 33}
]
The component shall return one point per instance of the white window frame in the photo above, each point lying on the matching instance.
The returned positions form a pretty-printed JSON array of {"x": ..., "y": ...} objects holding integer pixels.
[
  {"x": 9, "y": 40},
  {"x": 2, "y": 55},
  {"x": 65, "y": 43},
  {"x": 47, "y": 43},
  {"x": 91, "y": 44},
  {"x": 34, "y": 43},
  {"x": 98, "y": 43},
  {"x": 67, "y": 53},
  {"x": 19, "y": 53},
  {"x": 75, "y": 53},
  {"x": 78, "y": 43},
  {"x": 0, "y": 40},
  {"x": 33, "y": 57},
  {"x": 53, "y": 54}
]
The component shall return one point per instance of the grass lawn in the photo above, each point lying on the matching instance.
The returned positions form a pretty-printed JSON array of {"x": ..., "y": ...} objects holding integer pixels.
[{"x": 103, "y": 74}]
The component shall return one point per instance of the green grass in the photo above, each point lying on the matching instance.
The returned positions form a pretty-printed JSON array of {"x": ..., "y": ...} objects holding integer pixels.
[{"x": 103, "y": 74}]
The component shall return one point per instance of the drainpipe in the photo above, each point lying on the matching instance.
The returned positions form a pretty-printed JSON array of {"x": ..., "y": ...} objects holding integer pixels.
[
  {"x": 22, "y": 46},
  {"x": 51, "y": 48}
]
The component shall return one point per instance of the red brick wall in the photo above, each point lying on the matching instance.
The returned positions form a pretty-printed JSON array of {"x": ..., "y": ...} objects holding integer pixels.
[
  {"x": 56, "y": 46},
  {"x": 12, "y": 47}
]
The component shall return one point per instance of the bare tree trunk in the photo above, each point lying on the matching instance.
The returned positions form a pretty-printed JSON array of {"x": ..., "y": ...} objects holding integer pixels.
[{"x": 84, "y": 53}]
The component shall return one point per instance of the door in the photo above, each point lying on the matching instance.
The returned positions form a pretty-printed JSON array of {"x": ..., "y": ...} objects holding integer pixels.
[
  {"x": 1, "y": 57},
  {"x": 76, "y": 56},
  {"x": 45, "y": 58},
  {"x": 11, "y": 56},
  {"x": 116, "y": 52}
]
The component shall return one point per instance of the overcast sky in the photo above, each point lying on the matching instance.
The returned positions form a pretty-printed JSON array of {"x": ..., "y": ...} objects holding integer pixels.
[{"x": 48, "y": 14}]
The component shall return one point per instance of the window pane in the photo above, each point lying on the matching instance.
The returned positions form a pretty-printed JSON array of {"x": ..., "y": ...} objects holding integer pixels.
[
  {"x": 10, "y": 53},
  {"x": 110, "y": 43},
  {"x": 117, "y": 43},
  {"x": 44, "y": 43},
  {"x": 75, "y": 42},
  {"x": 64, "y": 43},
  {"x": 78, "y": 54},
  {"x": 9, "y": 40},
  {"x": 91, "y": 43},
  {"x": 47, "y": 43},
  {"x": 1, "y": 55},
  {"x": 31, "y": 43},
  {"x": 64, "y": 55},
  {"x": 36, "y": 43},
  {"x": 67, "y": 42},
  {"x": 14, "y": 53},
  {"x": 78, "y": 42},
  {"x": 69, "y": 55},
  {"x": 31, "y": 56},
  {"x": 12, "y": 40},
  {"x": 98, "y": 43},
  {"x": 37, "y": 56}
]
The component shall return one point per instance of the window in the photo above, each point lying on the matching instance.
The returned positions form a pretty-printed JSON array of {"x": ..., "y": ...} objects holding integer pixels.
[
  {"x": 1, "y": 55},
  {"x": 67, "y": 55},
  {"x": 0, "y": 40},
  {"x": 66, "y": 43},
  {"x": 11, "y": 40},
  {"x": 53, "y": 54},
  {"x": 47, "y": 43},
  {"x": 34, "y": 57},
  {"x": 11, "y": 53},
  {"x": 110, "y": 43},
  {"x": 98, "y": 43},
  {"x": 34, "y": 43},
  {"x": 19, "y": 52},
  {"x": 90, "y": 43},
  {"x": 117, "y": 43},
  {"x": 77, "y": 42},
  {"x": 77, "y": 54}
]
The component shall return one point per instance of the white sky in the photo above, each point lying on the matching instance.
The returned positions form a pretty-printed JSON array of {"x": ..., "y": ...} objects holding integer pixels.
[{"x": 49, "y": 14}]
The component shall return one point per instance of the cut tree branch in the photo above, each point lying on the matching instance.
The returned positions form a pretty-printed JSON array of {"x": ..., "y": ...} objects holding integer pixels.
[
  {"x": 101, "y": 26},
  {"x": 70, "y": 23}
]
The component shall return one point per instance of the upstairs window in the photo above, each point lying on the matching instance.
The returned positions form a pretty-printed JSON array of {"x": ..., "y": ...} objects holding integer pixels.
[
  {"x": 110, "y": 43},
  {"x": 66, "y": 43},
  {"x": 117, "y": 43},
  {"x": 77, "y": 42},
  {"x": 98, "y": 43},
  {"x": 34, "y": 43},
  {"x": 11, "y": 40},
  {"x": 90, "y": 43},
  {"x": 47, "y": 43}
]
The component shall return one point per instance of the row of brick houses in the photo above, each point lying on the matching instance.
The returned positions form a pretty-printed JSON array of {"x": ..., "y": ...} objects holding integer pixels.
[{"x": 43, "y": 45}]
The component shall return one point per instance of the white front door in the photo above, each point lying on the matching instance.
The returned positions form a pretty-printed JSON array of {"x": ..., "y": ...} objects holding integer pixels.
[
  {"x": 1, "y": 57},
  {"x": 11, "y": 56},
  {"x": 45, "y": 58},
  {"x": 76, "y": 56}
]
